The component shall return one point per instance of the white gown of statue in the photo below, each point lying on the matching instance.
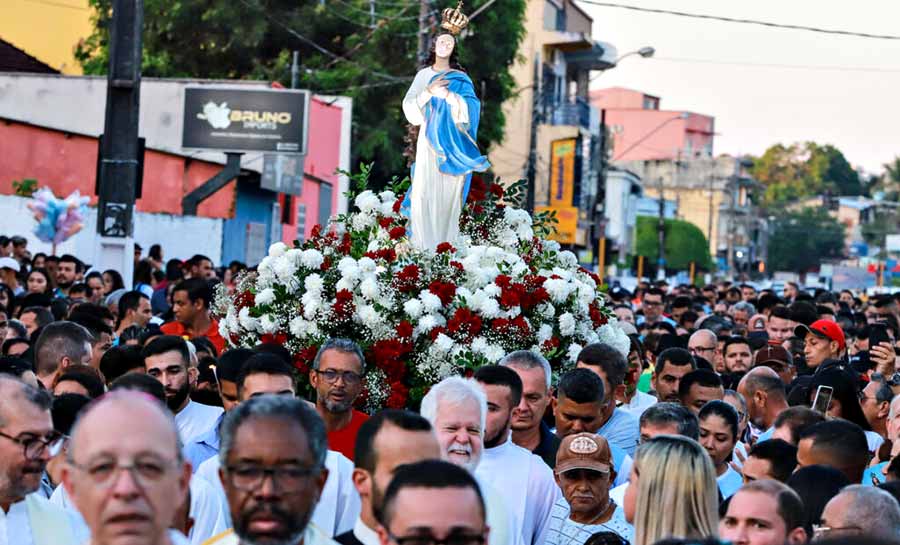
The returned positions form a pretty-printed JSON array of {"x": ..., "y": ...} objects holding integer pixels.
[{"x": 435, "y": 198}]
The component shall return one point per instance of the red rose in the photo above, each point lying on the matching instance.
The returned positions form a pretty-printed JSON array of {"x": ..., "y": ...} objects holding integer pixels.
[
  {"x": 497, "y": 190},
  {"x": 397, "y": 233},
  {"x": 445, "y": 291},
  {"x": 278, "y": 338},
  {"x": 385, "y": 222},
  {"x": 445, "y": 247},
  {"x": 398, "y": 204},
  {"x": 404, "y": 330},
  {"x": 245, "y": 299},
  {"x": 346, "y": 244},
  {"x": 326, "y": 264},
  {"x": 503, "y": 280},
  {"x": 478, "y": 209},
  {"x": 304, "y": 358},
  {"x": 550, "y": 344},
  {"x": 399, "y": 396},
  {"x": 464, "y": 322},
  {"x": 316, "y": 231},
  {"x": 458, "y": 266},
  {"x": 509, "y": 298}
]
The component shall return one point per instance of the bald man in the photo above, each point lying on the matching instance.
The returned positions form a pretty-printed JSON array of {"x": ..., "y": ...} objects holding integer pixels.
[
  {"x": 128, "y": 481},
  {"x": 766, "y": 398},
  {"x": 26, "y": 439}
]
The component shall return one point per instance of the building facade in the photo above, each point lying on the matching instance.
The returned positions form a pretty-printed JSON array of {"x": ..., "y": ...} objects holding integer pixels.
[{"x": 551, "y": 114}]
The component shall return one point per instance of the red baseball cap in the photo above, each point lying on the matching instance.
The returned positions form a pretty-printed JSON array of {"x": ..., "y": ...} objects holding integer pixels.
[{"x": 825, "y": 329}]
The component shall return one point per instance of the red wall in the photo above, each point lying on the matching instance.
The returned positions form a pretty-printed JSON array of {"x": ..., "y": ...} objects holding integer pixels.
[{"x": 65, "y": 162}]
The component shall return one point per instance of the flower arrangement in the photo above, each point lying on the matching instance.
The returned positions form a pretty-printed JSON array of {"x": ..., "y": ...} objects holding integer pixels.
[{"x": 422, "y": 315}]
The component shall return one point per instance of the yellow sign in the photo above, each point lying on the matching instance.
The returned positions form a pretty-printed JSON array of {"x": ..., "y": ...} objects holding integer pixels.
[
  {"x": 567, "y": 226},
  {"x": 562, "y": 172}
]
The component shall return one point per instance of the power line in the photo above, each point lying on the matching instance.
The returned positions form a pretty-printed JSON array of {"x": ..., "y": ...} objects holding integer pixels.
[
  {"x": 785, "y": 66},
  {"x": 744, "y": 21}
]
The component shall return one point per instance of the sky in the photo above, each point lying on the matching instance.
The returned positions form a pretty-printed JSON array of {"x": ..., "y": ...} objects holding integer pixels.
[{"x": 708, "y": 67}]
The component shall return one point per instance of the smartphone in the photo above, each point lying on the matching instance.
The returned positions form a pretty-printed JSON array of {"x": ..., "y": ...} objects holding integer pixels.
[
  {"x": 878, "y": 334},
  {"x": 823, "y": 399}
]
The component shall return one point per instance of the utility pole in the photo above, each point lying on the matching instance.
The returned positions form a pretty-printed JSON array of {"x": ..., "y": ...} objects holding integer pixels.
[
  {"x": 295, "y": 70},
  {"x": 531, "y": 171},
  {"x": 661, "y": 234},
  {"x": 119, "y": 149},
  {"x": 422, "y": 50},
  {"x": 733, "y": 188}
]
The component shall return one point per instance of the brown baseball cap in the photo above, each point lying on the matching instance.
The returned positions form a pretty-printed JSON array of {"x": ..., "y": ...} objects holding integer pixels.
[
  {"x": 583, "y": 451},
  {"x": 772, "y": 353}
]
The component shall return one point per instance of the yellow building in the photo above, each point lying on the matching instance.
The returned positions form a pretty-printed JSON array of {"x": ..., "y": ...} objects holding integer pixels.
[
  {"x": 557, "y": 55},
  {"x": 48, "y": 30}
]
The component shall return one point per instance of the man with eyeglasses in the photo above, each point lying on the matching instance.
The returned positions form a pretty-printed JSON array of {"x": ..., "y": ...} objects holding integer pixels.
[
  {"x": 339, "y": 504},
  {"x": 336, "y": 374},
  {"x": 652, "y": 306},
  {"x": 27, "y": 442},
  {"x": 860, "y": 511},
  {"x": 128, "y": 481},
  {"x": 272, "y": 457},
  {"x": 432, "y": 503},
  {"x": 703, "y": 344}
]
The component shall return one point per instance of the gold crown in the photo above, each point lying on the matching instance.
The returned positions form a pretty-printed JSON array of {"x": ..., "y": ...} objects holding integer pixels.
[{"x": 454, "y": 20}]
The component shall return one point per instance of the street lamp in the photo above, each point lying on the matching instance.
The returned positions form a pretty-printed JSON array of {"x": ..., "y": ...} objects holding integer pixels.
[{"x": 645, "y": 52}]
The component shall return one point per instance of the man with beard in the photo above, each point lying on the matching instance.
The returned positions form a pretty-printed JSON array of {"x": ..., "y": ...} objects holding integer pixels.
[
  {"x": 128, "y": 481},
  {"x": 69, "y": 271},
  {"x": 167, "y": 359},
  {"x": 267, "y": 374},
  {"x": 336, "y": 374},
  {"x": 523, "y": 477},
  {"x": 273, "y": 470},
  {"x": 26, "y": 441},
  {"x": 388, "y": 440},
  {"x": 190, "y": 303}
]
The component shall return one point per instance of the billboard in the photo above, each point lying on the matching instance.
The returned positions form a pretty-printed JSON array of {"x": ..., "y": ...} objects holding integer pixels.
[
  {"x": 567, "y": 223},
  {"x": 241, "y": 120},
  {"x": 562, "y": 172}
]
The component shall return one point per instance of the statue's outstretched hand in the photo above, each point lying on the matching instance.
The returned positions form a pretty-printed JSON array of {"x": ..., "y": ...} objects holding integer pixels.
[{"x": 438, "y": 88}]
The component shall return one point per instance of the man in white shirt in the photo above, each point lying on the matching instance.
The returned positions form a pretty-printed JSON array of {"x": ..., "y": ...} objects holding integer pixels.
[
  {"x": 526, "y": 481},
  {"x": 26, "y": 441},
  {"x": 387, "y": 440},
  {"x": 127, "y": 480},
  {"x": 457, "y": 410},
  {"x": 273, "y": 453},
  {"x": 338, "y": 506},
  {"x": 617, "y": 426},
  {"x": 168, "y": 360}
]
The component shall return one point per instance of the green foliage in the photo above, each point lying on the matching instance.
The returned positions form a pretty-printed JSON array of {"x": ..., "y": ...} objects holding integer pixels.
[
  {"x": 800, "y": 241},
  {"x": 684, "y": 243},
  {"x": 253, "y": 39},
  {"x": 25, "y": 187},
  {"x": 886, "y": 222},
  {"x": 803, "y": 170}
]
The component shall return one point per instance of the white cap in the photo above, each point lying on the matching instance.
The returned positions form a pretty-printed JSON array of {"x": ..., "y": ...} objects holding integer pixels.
[{"x": 9, "y": 263}]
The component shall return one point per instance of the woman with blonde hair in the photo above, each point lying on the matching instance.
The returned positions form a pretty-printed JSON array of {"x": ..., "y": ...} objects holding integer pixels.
[{"x": 672, "y": 491}]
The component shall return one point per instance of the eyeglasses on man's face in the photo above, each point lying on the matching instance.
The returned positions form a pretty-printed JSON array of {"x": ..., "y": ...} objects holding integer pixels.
[
  {"x": 145, "y": 470},
  {"x": 287, "y": 478},
  {"x": 428, "y": 539},
  {"x": 33, "y": 445},
  {"x": 331, "y": 376},
  {"x": 822, "y": 531}
]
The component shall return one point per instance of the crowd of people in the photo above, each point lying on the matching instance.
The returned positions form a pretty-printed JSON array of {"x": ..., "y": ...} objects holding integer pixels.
[{"x": 757, "y": 418}]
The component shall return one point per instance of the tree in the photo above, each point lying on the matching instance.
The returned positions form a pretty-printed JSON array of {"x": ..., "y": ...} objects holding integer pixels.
[
  {"x": 343, "y": 50},
  {"x": 803, "y": 170},
  {"x": 801, "y": 240},
  {"x": 684, "y": 243}
]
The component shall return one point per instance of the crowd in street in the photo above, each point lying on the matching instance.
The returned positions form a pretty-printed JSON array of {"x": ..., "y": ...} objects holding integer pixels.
[{"x": 742, "y": 416}]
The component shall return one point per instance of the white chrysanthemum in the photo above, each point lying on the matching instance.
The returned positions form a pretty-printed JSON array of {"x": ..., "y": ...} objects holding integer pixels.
[
  {"x": 387, "y": 209},
  {"x": 265, "y": 297},
  {"x": 551, "y": 245},
  {"x": 312, "y": 259},
  {"x": 367, "y": 264},
  {"x": 586, "y": 293},
  {"x": 547, "y": 310},
  {"x": 278, "y": 249},
  {"x": 567, "y": 259},
  {"x": 344, "y": 284},
  {"x": 313, "y": 283},
  {"x": 248, "y": 322},
  {"x": 268, "y": 324},
  {"x": 479, "y": 345},
  {"x": 444, "y": 343},
  {"x": 367, "y": 201},
  {"x": 369, "y": 288},
  {"x": 347, "y": 266},
  {"x": 284, "y": 269},
  {"x": 572, "y": 353},
  {"x": 567, "y": 324},
  {"x": 489, "y": 308},
  {"x": 387, "y": 197},
  {"x": 494, "y": 353},
  {"x": 544, "y": 333},
  {"x": 369, "y": 316},
  {"x": 492, "y": 290},
  {"x": 558, "y": 289},
  {"x": 612, "y": 335},
  {"x": 373, "y": 244},
  {"x": 430, "y": 301},
  {"x": 413, "y": 308},
  {"x": 519, "y": 268},
  {"x": 525, "y": 232},
  {"x": 311, "y": 303},
  {"x": 429, "y": 322},
  {"x": 464, "y": 292},
  {"x": 362, "y": 221}
]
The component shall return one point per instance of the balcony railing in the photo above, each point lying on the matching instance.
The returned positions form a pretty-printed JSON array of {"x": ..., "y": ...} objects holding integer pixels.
[{"x": 576, "y": 112}]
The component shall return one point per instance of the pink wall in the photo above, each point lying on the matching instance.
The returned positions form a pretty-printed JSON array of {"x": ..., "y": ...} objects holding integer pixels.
[
  {"x": 65, "y": 162},
  {"x": 618, "y": 98},
  {"x": 323, "y": 161},
  {"x": 658, "y": 135}
]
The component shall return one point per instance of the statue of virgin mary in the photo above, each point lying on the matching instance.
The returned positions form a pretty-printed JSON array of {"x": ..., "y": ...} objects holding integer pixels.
[{"x": 442, "y": 102}]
